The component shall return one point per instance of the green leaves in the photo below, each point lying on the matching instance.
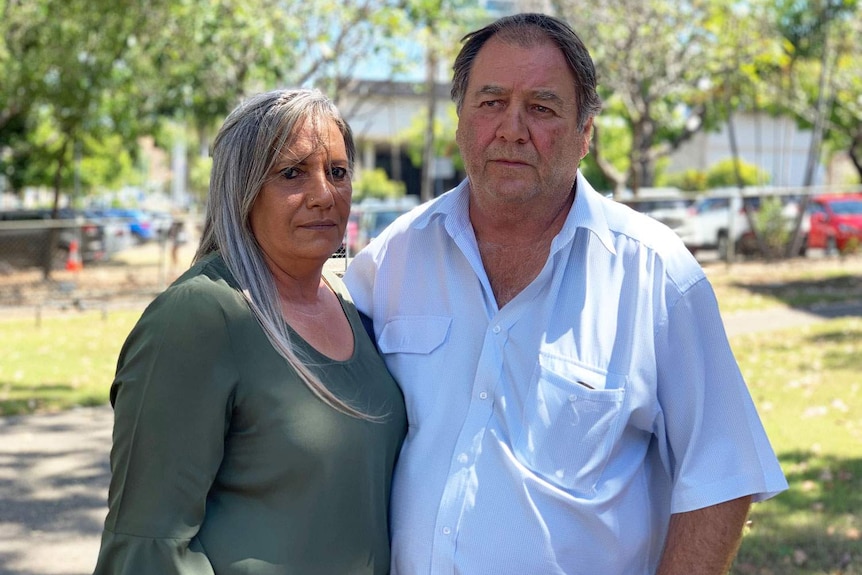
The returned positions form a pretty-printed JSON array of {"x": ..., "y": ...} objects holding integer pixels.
[{"x": 94, "y": 69}]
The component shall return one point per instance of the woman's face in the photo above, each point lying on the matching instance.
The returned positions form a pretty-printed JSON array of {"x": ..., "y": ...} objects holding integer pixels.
[{"x": 300, "y": 214}]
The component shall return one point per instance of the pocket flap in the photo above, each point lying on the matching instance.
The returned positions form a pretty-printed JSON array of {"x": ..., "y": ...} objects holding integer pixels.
[{"x": 414, "y": 334}]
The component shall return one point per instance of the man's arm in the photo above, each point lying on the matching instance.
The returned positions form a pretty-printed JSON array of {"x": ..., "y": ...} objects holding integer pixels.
[{"x": 704, "y": 541}]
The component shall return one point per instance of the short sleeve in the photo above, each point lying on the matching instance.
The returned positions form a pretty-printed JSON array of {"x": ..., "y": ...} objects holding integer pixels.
[{"x": 711, "y": 436}]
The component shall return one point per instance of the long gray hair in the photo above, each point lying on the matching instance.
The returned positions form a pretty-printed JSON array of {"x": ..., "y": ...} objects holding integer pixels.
[{"x": 249, "y": 143}]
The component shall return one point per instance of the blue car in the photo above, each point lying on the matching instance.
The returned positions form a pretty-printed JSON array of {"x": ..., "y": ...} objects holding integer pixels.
[{"x": 140, "y": 223}]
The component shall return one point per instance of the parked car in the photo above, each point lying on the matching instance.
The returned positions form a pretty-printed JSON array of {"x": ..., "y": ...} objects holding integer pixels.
[
  {"x": 667, "y": 205},
  {"x": 161, "y": 223},
  {"x": 117, "y": 235},
  {"x": 140, "y": 223},
  {"x": 26, "y": 238},
  {"x": 719, "y": 217},
  {"x": 370, "y": 217},
  {"x": 835, "y": 222}
]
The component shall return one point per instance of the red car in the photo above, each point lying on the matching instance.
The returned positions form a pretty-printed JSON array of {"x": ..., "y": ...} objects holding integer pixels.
[{"x": 836, "y": 222}]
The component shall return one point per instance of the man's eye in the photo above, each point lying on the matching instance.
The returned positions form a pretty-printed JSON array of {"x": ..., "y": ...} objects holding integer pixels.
[
  {"x": 489, "y": 104},
  {"x": 338, "y": 173},
  {"x": 289, "y": 173}
]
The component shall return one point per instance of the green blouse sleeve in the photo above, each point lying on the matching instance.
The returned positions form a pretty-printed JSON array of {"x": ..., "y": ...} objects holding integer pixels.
[{"x": 172, "y": 397}]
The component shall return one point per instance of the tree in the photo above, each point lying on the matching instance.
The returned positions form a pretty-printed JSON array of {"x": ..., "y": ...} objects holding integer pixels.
[
  {"x": 654, "y": 64},
  {"x": 89, "y": 68},
  {"x": 821, "y": 43},
  {"x": 434, "y": 21},
  {"x": 60, "y": 58},
  {"x": 376, "y": 184},
  {"x": 838, "y": 94},
  {"x": 444, "y": 145},
  {"x": 215, "y": 53}
]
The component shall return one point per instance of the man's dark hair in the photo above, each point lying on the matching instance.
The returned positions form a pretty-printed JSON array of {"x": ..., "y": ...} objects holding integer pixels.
[{"x": 526, "y": 30}]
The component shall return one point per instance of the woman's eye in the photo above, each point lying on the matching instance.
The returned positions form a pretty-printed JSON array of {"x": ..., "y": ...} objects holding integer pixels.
[
  {"x": 289, "y": 173},
  {"x": 339, "y": 173}
]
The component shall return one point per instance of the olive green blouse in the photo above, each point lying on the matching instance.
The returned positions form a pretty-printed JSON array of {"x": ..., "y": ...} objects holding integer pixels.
[{"x": 223, "y": 462}]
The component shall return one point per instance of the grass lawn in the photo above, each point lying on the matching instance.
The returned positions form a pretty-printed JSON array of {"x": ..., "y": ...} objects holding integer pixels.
[
  {"x": 792, "y": 283},
  {"x": 806, "y": 382},
  {"x": 67, "y": 360}
]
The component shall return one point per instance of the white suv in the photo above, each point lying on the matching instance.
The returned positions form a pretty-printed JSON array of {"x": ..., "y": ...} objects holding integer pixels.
[
  {"x": 667, "y": 205},
  {"x": 719, "y": 215}
]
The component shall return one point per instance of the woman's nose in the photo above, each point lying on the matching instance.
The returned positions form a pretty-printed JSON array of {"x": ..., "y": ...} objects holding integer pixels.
[{"x": 323, "y": 193}]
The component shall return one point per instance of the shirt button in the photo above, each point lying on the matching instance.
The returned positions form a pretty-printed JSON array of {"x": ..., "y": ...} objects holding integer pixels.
[
  {"x": 462, "y": 458},
  {"x": 446, "y": 531},
  {"x": 483, "y": 395},
  {"x": 496, "y": 329}
]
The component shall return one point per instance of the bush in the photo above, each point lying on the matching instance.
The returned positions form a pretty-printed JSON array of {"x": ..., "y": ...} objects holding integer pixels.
[
  {"x": 376, "y": 184},
  {"x": 690, "y": 180},
  {"x": 772, "y": 225},
  {"x": 723, "y": 174}
]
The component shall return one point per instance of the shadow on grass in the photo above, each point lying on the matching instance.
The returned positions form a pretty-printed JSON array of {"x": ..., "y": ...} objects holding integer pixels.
[
  {"x": 835, "y": 296},
  {"x": 814, "y": 527},
  {"x": 18, "y": 398},
  {"x": 839, "y": 358}
]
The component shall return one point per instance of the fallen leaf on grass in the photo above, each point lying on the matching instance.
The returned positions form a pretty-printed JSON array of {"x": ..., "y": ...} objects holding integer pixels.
[{"x": 815, "y": 411}]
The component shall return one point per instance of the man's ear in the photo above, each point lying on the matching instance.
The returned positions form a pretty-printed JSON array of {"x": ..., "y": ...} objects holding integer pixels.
[{"x": 587, "y": 135}]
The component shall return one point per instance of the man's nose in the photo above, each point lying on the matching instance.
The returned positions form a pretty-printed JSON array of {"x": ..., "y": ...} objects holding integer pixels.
[{"x": 512, "y": 126}]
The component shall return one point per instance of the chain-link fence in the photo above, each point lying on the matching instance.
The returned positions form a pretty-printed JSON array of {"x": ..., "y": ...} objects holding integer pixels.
[
  {"x": 27, "y": 241},
  {"x": 79, "y": 262}
]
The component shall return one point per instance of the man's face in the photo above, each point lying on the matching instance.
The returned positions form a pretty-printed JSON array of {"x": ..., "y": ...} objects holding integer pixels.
[{"x": 517, "y": 129}]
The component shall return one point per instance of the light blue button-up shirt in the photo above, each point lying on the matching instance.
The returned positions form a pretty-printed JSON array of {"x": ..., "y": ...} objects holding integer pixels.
[{"x": 557, "y": 434}]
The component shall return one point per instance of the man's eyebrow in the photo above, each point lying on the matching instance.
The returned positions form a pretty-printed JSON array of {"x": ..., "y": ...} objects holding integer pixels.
[
  {"x": 492, "y": 90},
  {"x": 547, "y": 96},
  {"x": 541, "y": 95}
]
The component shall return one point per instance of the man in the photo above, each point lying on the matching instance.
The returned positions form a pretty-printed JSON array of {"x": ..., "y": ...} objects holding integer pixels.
[{"x": 574, "y": 405}]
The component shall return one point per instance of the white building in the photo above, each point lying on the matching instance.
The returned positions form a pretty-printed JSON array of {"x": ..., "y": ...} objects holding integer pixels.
[
  {"x": 380, "y": 112},
  {"x": 775, "y": 145}
]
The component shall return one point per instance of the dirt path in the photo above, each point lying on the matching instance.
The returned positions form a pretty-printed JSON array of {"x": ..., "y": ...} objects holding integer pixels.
[{"x": 54, "y": 483}]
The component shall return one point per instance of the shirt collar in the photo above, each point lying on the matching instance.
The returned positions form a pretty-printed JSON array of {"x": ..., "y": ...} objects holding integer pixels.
[
  {"x": 453, "y": 207},
  {"x": 587, "y": 212}
]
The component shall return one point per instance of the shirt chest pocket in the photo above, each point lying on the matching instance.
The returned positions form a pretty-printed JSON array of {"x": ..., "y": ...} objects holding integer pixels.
[
  {"x": 413, "y": 348},
  {"x": 570, "y": 422}
]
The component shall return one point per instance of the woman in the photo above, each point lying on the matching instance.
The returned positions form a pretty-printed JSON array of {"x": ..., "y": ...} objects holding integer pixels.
[{"x": 255, "y": 425}]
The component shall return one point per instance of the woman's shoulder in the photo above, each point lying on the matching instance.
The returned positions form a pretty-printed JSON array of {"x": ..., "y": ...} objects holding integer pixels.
[{"x": 206, "y": 288}]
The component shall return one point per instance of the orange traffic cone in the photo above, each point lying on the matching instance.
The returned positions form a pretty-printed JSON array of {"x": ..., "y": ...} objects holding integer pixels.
[{"x": 73, "y": 262}]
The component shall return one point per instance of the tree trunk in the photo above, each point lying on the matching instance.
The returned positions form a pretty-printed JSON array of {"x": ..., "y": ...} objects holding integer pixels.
[
  {"x": 855, "y": 150},
  {"x": 426, "y": 191},
  {"x": 734, "y": 151},
  {"x": 824, "y": 102},
  {"x": 54, "y": 235},
  {"x": 635, "y": 159},
  {"x": 607, "y": 169},
  {"x": 642, "y": 166}
]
